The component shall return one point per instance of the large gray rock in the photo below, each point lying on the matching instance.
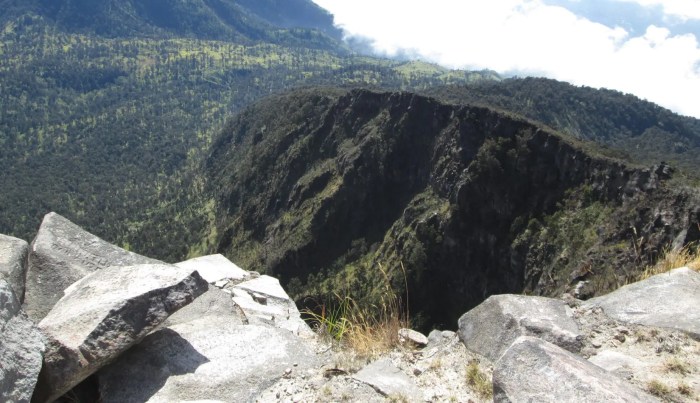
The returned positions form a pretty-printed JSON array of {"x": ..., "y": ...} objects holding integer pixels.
[
  {"x": 13, "y": 263},
  {"x": 104, "y": 314},
  {"x": 21, "y": 349},
  {"x": 213, "y": 303},
  {"x": 63, "y": 253},
  {"x": 669, "y": 300},
  {"x": 533, "y": 370},
  {"x": 208, "y": 359},
  {"x": 490, "y": 328},
  {"x": 264, "y": 301},
  {"x": 388, "y": 380},
  {"x": 214, "y": 268}
]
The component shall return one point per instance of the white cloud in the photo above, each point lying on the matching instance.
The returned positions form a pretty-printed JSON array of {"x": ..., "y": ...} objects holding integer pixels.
[{"x": 529, "y": 37}]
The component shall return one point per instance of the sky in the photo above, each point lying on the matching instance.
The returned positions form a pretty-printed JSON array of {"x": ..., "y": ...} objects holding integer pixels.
[{"x": 649, "y": 48}]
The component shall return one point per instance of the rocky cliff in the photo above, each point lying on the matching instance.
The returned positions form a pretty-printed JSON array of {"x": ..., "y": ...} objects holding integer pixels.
[{"x": 335, "y": 191}]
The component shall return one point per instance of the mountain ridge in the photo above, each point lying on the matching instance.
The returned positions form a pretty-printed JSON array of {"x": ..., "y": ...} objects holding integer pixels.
[{"x": 330, "y": 191}]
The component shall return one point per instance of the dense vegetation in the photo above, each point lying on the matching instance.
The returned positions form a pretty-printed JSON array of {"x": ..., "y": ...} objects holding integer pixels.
[
  {"x": 109, "y": 131},
  {"x": 639, "y": 130}
]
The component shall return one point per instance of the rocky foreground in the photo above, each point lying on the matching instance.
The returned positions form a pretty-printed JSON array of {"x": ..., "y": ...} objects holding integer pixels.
[{"x": 96, "y": 322}]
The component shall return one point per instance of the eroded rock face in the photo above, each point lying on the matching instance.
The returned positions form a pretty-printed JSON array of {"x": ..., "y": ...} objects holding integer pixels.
[
  {"x": 533, "y": 370},
  {"x": 647, "y": 302},
  {"x": 490, "y": 328},
  {"x": 63, "y": 253},
  {"x": 13, "y": 263},
  {"x": 106, "y": 313},
  {"x": 207, "y": 359},
  {"x": 21, "y": 349}
]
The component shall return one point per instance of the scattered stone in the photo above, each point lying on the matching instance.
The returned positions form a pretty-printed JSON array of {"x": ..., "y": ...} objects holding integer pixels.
[
  {"x": 388, "y": 380},
  {"x": 63, "y": 253},
  {"x": 619, "y": 363},
  {"x": 215, "y": 268},
  {"x": 13, "y": 263},
  {"x": 533, "y": 370},
  {"x": 21, "y": 349},
  {"x": 667, "y": 300},
  {"x": 490, "y": 328},
  {"x": 439, "y": 337},
  {"x": 206, "y": 359},
  {"x": 103, "y": 315},
  {"x": 409, "y": 335}
]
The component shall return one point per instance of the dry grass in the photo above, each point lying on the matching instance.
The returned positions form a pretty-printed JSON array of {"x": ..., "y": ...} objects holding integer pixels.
[
  {"x": 688, "y": 256},
  {"x": 677, "y": 366},
  {"x": 368, "y": 330},
  {"x": 478, "y": 381},
  {"x": 658, "y": 389},
  {"x": 684, "y": 390}
]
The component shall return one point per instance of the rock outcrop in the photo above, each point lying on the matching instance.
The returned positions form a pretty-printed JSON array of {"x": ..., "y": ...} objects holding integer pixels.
[
  {"x": 63, "y": 253},
  {"x": 533, "y": 370},
  {"x": 205, "y": 359},
  {"x": 215, "y": 268},
  {"x": 648, "y": 302},
  {"x": 491, "y": 328},
  {"x": 13, "y": 263},
  {"x": 21, "y": 349},
  {"x": 106, "y": 313}
]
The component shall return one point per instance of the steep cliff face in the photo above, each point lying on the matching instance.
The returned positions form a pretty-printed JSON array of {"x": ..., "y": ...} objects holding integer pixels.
[{"x": 336, "y": 191}]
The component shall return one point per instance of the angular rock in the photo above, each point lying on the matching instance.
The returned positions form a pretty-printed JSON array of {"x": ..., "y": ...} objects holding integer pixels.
[
  {"x": 490, "y": 328},
  {"x": 63, "y": 253},
  {"x": 264, "y": 301},
  {"x": 213, "y": 303},
  {"x": 104, "y": 314},
  {"x": 206, "y": 359},
  {"x": 410, "y": 335},
  {"x": 669, "y": 300},
  {"x": 533, "y": 370},
  {"x": 388, "y": 380},
  {"x": 619, "y": 363},
  {"x": 215, "y": 268},
  {"x": 21, "y": 349},
  {"x": 13, "y": 263}
]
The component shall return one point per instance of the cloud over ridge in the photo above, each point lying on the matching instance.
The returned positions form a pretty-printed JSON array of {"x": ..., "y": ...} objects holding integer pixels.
[{"x": 540, "y": 38}]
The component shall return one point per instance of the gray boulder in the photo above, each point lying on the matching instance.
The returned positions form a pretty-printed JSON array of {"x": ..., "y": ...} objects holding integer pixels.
[
  {"x": 490, "y": 328},
  {"x": 63, "y": 253},
  {"x": 104, "y": 314},
  {"x": 213, "y": 303},
  {"x": 21, "y": 349},
  {"x": 204, "y": 360},
  {"x": 215, "y": 268},
  {"x": 388, "y": 380},
  {"x": 13, "y": 263},
  {"x": 264, "y": 301},
  {"x": 533, "y": 370},
  {"x": 668, "y": 300}
]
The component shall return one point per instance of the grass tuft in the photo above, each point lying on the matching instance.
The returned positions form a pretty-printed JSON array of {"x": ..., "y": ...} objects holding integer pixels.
[
  {"x": 369, "y": 330},
  {"x": 658, "y": 389},
  {"x": 677, "y": 366},
  {"x": 687, "y": 256},
  {"x": 478, "y": 381}
]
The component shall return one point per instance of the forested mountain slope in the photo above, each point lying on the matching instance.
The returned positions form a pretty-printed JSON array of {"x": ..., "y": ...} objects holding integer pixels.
[
  {"x": 232, "y": 20},
  {"x": 107, "y": 129},
  {"x": 331, "y": 191},
  {"x": 641, "y": 130}
]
